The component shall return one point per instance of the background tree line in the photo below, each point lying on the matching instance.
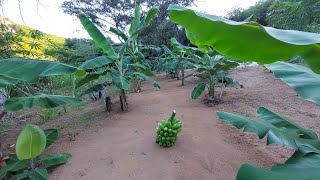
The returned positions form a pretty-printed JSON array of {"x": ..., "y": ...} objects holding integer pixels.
[
  {"x": 302, "y": 15},
  {"x": 22, "y": 41},
  {"x": 118, "y": 14}
]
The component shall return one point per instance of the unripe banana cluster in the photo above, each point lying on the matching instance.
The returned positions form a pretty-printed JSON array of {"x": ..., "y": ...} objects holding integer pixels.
[{"x": 168, "y": 130}]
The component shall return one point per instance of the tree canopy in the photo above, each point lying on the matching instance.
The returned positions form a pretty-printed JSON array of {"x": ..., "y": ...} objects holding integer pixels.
[
  {"x": 283, "y": 14},
  {"x": 118, "y": 14}
]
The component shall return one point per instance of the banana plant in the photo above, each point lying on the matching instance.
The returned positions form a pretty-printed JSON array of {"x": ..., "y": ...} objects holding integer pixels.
[
  {"x": 168, "y": 63},
  {"x": 285, "y": 132},
  {"x": 124, "y": 66},
  {"x": 28, "y": 162},
  {"x": 213, "y": 70},
  {"x": 249, "y": 41},
  {"x": 15, "y": 71},
  {"x": 178, "y": 59}
]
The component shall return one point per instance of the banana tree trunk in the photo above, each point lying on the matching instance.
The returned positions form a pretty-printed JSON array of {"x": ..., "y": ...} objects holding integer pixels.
[
  {"x": 137, "y": 85},
  {"x": 177, "y": 74},
  {"x": 123, "y": 100},
  {"x": 2, "y": 114},
  {"x": 211, "y": 87},
  {"x": 182, "y": 73}
]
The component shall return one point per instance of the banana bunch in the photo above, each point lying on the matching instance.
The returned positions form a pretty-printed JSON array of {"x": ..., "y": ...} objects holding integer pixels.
[{"x": 168, "y": 130}]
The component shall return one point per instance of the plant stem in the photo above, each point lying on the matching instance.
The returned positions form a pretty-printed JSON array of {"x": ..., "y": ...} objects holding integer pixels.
[
  {"x": 172, "y": 115},
  {"x": 32, "y": 164},
  {"x": 73, "y": 86},
  {"x": 221, "y": 90},
  {"x": 2, "y": 114},
  {"x": 211, "y": 87},
  {"x": 123, "y": 100},
  {"x": 182, "y": 73}
]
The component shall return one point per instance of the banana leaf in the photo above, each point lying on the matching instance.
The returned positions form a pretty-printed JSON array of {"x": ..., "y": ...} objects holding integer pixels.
[
  {"x": 248, "y": 41},
  {"x": 305, "y": 82},
  {"x": 38, "y": 100},
  {"x": 14, "y": 70}
]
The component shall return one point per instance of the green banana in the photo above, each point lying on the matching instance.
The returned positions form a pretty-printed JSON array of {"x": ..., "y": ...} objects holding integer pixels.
[{"x": 168, "y": 130}]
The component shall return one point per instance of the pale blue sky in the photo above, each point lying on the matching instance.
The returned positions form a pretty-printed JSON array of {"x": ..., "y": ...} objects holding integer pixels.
[{"x": 48, "y": 18}]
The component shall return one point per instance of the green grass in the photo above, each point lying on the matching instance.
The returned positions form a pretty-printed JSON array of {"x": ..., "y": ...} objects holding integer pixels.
[{"x": 49, "y": 114}]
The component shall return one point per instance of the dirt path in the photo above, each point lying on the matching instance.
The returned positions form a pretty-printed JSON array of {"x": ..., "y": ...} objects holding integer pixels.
[{"x": 124, "y": 147}]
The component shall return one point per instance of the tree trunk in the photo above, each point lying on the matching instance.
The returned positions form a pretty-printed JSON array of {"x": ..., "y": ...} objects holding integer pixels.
[
  {"x": 2, "y": 114},
  {"x": 177, "y": 74},
  {"x": 108, "y": 103},
  {"x": 123, "y": 100},
  {"x": 65, "y": 109},
  {"x": 211, "y": 87},
  {"x": 137, "y": 85},
  {"x": 182, "y": 74}
]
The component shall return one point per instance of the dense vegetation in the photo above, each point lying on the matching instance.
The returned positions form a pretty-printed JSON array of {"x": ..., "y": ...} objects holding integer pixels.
[
  {"x": 118, "y": 14},
  {"x": 218, "y": 44},
  {"x": 283, "y": 14},
  {"x": 22, "y": 41},
  {"x": 218, "y": 33}
]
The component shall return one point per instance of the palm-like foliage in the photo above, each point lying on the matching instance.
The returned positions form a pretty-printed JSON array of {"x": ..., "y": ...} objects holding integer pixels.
[
  {"x": 175, "y": 61},
  {"x": 124, "y": 66},
  {"x": 28, "y": 162},
  {"x": 18, "y": 73},
  {"x": 248, "y": 41},
  {"x": 213, "y": 70}
]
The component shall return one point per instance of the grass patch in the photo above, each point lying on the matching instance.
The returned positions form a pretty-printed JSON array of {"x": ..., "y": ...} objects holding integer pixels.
[{"x": 49, "y": 114}]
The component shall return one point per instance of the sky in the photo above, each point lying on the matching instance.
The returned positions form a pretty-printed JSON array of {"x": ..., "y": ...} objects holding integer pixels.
[{"x": 49, "y": 18}]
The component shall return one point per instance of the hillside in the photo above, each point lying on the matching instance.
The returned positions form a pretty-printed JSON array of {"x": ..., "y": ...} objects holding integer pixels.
[{"x": 23, "y": 41}]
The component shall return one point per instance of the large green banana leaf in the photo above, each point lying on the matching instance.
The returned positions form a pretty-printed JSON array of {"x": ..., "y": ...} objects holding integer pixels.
[
  {"x": 298, "y": 167},
  {"x": 13, "y": 166},
  {"x": 39, "y": 174},
  {"x": 92, "y": 76},
  {"x": 142, "y": 68},
  {"x": 304, "y": 164},
  {"x": 144, "y": 23},
  {"x": 278, "y": 129},
  {"x": 54, "y": 159},
  {"x": 305, "y": 82},
  {"x": 179, "y": 47},
  {"x": 98, "y": 37},
  {"x": 145, "y": 77},
  {"x": 192, "y": 38},
  {"x": 31, "y": 142},
  {"x": 51, "y": 135},
  {"x": 39, "y": 101},
  {"x": 136, "y": 19},
  {"x": 197, "y": 91},
  {"x": 121, "y": 82},
  {"x": 35, "y": 174},
  {"x": 95, "y": 63},
  {"x": 248, "y": 41},
  {"x": 119, "y": 33},
  {"x": 14, "y": 70}
]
